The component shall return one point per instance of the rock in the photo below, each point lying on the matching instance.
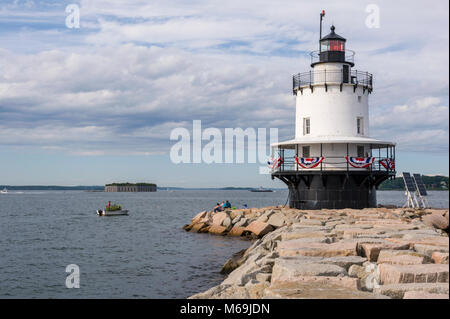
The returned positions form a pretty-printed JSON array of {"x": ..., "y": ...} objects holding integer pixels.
[
  {"x": 235, "y": 261},
  {"x": 426, "y": 273},
  {"x": 341, "y": 261},
  {"x": 290, "y": 269},
  {"x": 311, "y": 222},
  {"x": 236, "y": 219},
  {"x": 236, "y": 213},
  {"x": 436, "y": 221},
  {"x": 218, "y": 218},
  {"x": 199, "y": 216},
  {"x": 293, "y": 248},
  {"x": 397, "y": 291},
  {"x": 304, "y": 233},
  {"x": 259, "y": 228},
  {"x": 325, "y": 281},
  {"x": 236, "y": 231},
  {"x": 357, "y": 232},
  {"x": 371, "y": 251},
  {"x": 277, "y": 220},
  {"x": 356, "y": 271},
  {"x": 197, "y": 227},
  {"x": 423, "y": 295},
  {"x": 224, "y": 292},
  {"x": 402, "y": 260},
  {"x": 187, "y": 227},
  {"x": 319, "y": 288},
  {"x": 217, "y": 230},
  {"x": 440, "y": 258},
  {"x": 226, "y": 222},
  {"x": 261, "y": 277},
  {"x": 428, "y": 250},
  {"x": 242, "y": 222},
  {"x": 262, "y": 219}
]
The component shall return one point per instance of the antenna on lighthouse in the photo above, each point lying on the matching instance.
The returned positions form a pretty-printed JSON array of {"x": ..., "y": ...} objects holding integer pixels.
[{"x": 322, "y": 14}]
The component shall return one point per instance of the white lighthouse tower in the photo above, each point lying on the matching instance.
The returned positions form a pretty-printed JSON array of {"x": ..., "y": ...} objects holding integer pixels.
[{"x": 332, "y": 162}]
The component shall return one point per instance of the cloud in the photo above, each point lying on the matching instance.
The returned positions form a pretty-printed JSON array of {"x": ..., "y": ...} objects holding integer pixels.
[{"x": 137, "y": 69}]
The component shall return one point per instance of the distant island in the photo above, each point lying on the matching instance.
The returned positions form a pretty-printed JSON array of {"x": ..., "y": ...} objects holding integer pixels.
[
  {"x": 130, "y": 187},
  {"x": 432, "y": 183}
]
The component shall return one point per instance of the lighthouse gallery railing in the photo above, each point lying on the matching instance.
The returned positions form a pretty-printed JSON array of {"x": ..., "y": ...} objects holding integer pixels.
[{"x": 354, "y": 77}]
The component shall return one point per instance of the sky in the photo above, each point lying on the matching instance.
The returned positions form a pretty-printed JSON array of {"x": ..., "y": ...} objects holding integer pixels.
[{"x": 97, "y": 104}]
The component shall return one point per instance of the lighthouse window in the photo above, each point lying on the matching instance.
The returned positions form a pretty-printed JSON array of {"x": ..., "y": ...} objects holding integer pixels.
[
  {"x": 359, "y": 125},
  {"x": 360, "y": 151},
  {"x": 359, "y": 98},
  {"x": 306, "y": 125},
  {"x": 305, "y": 151}
]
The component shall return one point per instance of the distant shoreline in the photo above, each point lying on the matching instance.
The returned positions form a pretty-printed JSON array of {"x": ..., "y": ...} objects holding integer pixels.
[{"x": 102, "y": 188}]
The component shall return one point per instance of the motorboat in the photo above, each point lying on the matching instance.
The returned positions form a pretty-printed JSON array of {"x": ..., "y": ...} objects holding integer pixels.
[
  {"x": 4, "y": 191},
  {"x": 103, "y": 212},
  {"x": 261, "y": 190}
]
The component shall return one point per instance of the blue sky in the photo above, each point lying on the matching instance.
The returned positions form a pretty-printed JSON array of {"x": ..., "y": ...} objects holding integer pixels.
[{"x": 97, "y": 104}]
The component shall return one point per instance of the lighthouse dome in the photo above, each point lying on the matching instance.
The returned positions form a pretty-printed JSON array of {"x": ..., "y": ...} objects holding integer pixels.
[{"x": 332, "y": 49}]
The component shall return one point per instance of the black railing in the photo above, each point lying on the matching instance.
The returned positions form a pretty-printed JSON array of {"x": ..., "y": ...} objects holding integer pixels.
[
  {"x": 349, "y": 56},
  {"x": 354, "y": 77},
  {"x": 333, "y": 163}
]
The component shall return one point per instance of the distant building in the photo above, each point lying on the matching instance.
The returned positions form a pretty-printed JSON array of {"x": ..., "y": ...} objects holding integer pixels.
[{"x": 129, "y": 187}]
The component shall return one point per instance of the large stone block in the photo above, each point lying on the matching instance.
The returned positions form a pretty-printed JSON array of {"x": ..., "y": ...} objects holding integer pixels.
[
  {"x": 259, "y": 228},
  {"x": 294, "y": 248},
  {"x": 397, "y": 291},
  {"x": 402, "y": 260},
  {"x": 218, "y": 218},
  {"x": 197, "y": 227},
  {"x": 198, "y": 217},
  {"x": 372, "y": 250},
  {"x": 440, "y": 258},
  {"x": 425, "y": 273},
  {"x": 236, "y": 231},
  {"x": 436, "y": 221},
  {"x": 428, "y": 250},
  {"x": 289, "y": 269},
  {"x": 277, "y": 220},
  {"x": 423, "y": 295},
  {"x": 217, "y": 230}
]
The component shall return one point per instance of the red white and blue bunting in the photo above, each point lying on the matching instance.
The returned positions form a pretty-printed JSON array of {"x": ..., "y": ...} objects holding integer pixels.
[
  {"x": 360, "y": 162},
  {"x": 274, "y": 163},
  {"x": 388, "y": 163},
  {"x": 309, "y": 162}
]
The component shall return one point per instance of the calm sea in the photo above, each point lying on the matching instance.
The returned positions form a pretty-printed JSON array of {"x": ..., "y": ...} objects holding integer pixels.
[{"x": 144, "y": 255}]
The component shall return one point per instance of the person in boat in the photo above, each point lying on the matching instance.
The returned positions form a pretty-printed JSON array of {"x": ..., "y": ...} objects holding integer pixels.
[{"x": 109, "y": 205}]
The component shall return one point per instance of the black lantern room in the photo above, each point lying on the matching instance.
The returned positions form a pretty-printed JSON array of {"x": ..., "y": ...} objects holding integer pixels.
[{"x": 332, "y": 48}]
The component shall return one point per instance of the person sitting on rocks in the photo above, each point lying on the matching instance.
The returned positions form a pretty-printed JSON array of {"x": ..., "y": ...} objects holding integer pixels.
[
  {"x": 218, "y": 208},
  {"x": 227, "y": 205}
]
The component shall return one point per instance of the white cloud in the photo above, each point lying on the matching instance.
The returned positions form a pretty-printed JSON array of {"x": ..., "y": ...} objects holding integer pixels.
[{"x": 137, "y": 68}]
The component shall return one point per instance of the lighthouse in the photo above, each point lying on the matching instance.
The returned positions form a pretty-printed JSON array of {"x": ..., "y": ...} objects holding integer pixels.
[{"x": 332, "y": 162}]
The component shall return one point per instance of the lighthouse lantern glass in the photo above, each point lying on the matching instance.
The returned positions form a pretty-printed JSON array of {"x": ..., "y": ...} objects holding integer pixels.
[{"x": 333, "y": 45}]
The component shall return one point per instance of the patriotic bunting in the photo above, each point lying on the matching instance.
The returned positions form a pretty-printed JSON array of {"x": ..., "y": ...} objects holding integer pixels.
[
  {"x": 388, "y": 163},
  {"x": 360, "y": 162},
  {"x": 309, "y": 162},
  {"x": 274, "y": 164}
]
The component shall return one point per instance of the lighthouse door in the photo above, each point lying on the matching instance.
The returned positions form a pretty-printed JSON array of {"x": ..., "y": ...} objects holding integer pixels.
[{"x": 345, "y": 71}]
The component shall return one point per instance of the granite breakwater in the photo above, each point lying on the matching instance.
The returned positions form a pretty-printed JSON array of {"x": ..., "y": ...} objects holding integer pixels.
[{"x": 349, "y": 253}]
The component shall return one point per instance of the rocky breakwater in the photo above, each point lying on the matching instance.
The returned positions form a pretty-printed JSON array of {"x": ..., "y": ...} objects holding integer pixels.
[{"x": 368, "y": 253}]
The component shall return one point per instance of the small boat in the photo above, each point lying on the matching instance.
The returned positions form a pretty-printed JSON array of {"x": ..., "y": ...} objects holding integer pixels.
[
  {"x": 120, "y": 212},
  {"x": 4, "y": 191},
  {"x": 261, "y": 190}
]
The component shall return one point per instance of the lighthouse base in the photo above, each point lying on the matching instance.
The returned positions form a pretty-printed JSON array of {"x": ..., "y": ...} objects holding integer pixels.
[{"x": 332, "y": 190}]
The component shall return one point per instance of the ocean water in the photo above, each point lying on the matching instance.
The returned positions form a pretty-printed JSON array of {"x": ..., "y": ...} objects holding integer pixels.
[{"x": 144, "y": 255}]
